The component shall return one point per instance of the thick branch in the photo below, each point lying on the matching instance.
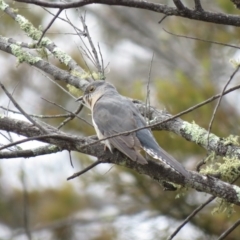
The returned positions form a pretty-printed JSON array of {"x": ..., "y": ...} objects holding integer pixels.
[
  {"x": 153, "y": 169},
  {"x": 23, "y": 55},
  {"x": 206, "y": 16},
  {"x": 36, "y": 35},
  {"x": 30, "y": 152},
  {"x": 191, "y": 132}
]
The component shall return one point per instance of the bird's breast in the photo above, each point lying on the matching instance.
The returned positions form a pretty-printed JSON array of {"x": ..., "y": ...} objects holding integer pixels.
[{"x": 101, "y": 136}]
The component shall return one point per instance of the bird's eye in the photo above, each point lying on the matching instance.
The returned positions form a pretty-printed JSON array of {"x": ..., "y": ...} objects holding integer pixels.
[{"x": 91, "y": 89}]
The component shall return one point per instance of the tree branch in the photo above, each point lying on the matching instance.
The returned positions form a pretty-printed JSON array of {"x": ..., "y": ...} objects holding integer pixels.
[
  {"x": 179, "y": 4},
  {"x": 153, "y": 169},
  {"x": 77, "y": 174},
  {"x": 198, "y": 5},
  {"x": 43, "y": 130},
  {"x": 195, "y": 14},
  {"x": 23, "y": 55},
  {"x": 36, "y": 35},
  {"x": 229, "y": 230},
  {"x": 30, "y": 152}
]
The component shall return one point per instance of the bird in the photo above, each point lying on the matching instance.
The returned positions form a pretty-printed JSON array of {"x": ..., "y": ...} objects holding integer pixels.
[{"x": 112, "y": 114}]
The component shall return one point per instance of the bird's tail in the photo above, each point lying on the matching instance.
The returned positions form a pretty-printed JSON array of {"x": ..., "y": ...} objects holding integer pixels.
[{"x": 164, "y": 157}]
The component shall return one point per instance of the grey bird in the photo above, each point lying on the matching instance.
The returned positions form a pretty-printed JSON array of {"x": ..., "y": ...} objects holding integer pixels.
[{"x": 113, "y": 113}]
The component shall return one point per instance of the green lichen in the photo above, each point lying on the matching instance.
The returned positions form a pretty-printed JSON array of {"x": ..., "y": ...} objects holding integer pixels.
[
  {"x": 101, "y": 76},
  {"x": 36, "y": 34},
  {"x": 52, "y": 147},
  {"x": 61, "y": 56},
  {"x": 211, "y": 157},
  {"x": 45, "y": 41},
  {"x": 88, "y": 75},
  {"x": 235, "y": 62},
  {"x": 43, "y": 53},
  {"x": 182, "y": 190},
  {"x": 123, "y": 163},
  {"x": 3, "y": 5},
  {"x": 82, "y": 75},
  {"x": 231, "y": 139},
  {"x": 31, "y": 31},
  {"x": 27, "y": 27},
  {"x": 23, "y": 56},
  {"x": 97, "y": 76},
  {"x": 209, "y": 170},
  {"x": 228, "y": 169},
  {"x": 73, "y": 90},
  {"x": 224, "y": 207},
  {"x": 198, "y": 134},
  {"x": 76, "y": 73}
]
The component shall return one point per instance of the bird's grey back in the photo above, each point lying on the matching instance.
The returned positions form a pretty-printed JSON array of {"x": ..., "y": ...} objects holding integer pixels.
[{"x": 119, "y": 114}]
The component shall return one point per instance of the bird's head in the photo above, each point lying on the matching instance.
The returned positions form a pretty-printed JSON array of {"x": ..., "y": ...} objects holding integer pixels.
[{"x": 94, "y": 91}]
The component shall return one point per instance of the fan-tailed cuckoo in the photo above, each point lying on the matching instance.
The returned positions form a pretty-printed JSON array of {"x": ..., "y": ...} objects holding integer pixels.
[{"x": 113, "y": 114}]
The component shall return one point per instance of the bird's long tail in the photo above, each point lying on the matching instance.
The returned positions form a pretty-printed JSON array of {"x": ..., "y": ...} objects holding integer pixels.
[{"x": 164, "y": 157}]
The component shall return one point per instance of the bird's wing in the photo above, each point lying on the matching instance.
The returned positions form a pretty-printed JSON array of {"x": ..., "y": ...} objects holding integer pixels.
[{"x": 113, "y": 116}]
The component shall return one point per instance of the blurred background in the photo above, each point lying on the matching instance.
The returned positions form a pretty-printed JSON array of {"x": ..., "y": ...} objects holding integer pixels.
[{"x": 112, "y": 202}]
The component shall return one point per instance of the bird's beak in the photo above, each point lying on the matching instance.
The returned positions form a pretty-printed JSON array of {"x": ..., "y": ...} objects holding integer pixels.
[{"x": 79, "y": 99}]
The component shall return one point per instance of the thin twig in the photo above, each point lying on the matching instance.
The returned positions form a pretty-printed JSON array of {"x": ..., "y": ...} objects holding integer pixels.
[
  {"x": 190, "y": 216},
  {"x": 219, "y": 101},
  {"x": 55, "y": 104},
  {"x": 77, "y": 174},
  {"x": 102, "y": 63},
  {"x": 96, "y": 59},
  {"x": 9, "y": 135},
  {"x": 198, "y": 209},
  {"x": 81, "y": 33},
  {"x": 87, "y": 52},
  {"x": 79, "y": 109},
  {"x": 39, "y": 116},
  {"x": 67, "y": 21},
  {"x": 162, "y": 19},
  {"x": 49, "y": 25},
  {"x": 21, "y": 110},
  {"x": 54, "y": 82},
  {"x": 93, "y": 58},
  {"x": 5, "y": 137},
  {"x": 202, "y": 40},
  {"x": 83, "y": 52},
  {"x": 229, "y": 230},
  {"x": 70, "y": 158},
  {"x": 147, "y": 104},
  {"x": 36, "y": 138},
  {"x": 11, "y": 95},
  {"x": 179, "y": 4},
  {"x": 11, "y": 141},
  {"x": 200, "y": 164},
  {"x": 198, "y": 5}
]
